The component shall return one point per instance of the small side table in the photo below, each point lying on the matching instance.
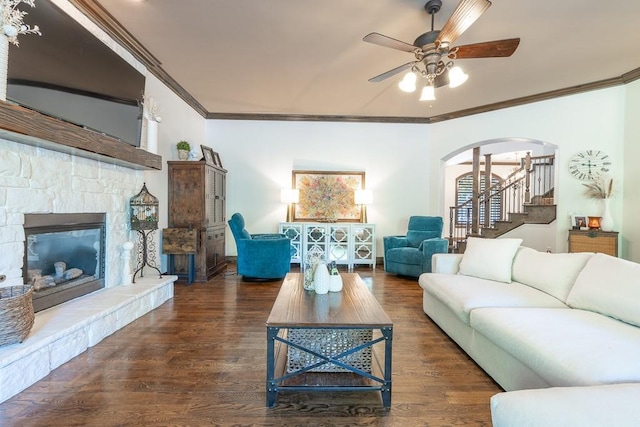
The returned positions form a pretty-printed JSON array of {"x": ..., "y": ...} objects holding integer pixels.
[
  {"x": 605, "y": 242},
  {"x": 181, "y": 241}
]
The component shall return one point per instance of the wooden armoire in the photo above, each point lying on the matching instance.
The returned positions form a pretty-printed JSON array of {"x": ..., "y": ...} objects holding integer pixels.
[{"x": 197, "y": 199}]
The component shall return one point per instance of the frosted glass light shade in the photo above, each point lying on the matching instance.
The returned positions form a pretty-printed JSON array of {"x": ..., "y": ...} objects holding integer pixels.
[
  {"x": 428, "y": 93},
  {"x": 408, "y": 83},
  {"x": 457, "y": 77}
]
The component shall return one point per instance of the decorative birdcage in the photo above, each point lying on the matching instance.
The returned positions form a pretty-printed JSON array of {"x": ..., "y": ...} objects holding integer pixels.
[
  {"x": 144, "y": 219},
  {"x": 144, "y": 210}
]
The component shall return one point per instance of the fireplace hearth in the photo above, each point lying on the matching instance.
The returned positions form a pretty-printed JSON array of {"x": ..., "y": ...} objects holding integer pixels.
[{"x": 64, "y": 256}]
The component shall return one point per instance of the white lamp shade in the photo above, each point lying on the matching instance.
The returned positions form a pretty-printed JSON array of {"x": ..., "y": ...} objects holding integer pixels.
[
  {"x": 408, "y": 83},
  {"x": 363, "y": 197},
  {"x": 457, "y": 77},
  {"x": 428, "y": 93},
  {"x": 289, "y": 195}
]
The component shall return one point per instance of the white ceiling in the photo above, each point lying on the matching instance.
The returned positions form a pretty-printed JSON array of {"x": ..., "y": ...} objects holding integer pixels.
[{"x": 300, "y": 57}]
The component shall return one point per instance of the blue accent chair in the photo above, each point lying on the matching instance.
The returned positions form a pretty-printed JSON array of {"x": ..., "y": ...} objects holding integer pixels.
[
  {"x": 410, "y": 255},
  {"x": 260, "y": 256}
]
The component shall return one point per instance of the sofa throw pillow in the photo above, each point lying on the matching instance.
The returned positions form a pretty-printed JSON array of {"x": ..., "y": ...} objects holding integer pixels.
[
  {"x": 415, "y": 238},
  {"x": 552, "y": 273},
  {"x": 609, "y": 286},
  {"x": 489, "y": 258}
]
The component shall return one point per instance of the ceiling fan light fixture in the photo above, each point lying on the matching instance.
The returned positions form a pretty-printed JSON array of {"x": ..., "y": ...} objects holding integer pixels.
[
  {"x": 457, "y": 77},
  {"x": 428, "y": 93},
  {"x": 408, "y": 83}
]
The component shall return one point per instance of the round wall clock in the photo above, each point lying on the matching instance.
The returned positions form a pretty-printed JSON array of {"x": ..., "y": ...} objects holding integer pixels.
[{"x": 589, "y": 165}]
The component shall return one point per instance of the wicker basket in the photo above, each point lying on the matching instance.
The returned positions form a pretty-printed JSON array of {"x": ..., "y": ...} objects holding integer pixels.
[
  {"x": 16, "y": 313},
  {"x": 329, "y": 342}
]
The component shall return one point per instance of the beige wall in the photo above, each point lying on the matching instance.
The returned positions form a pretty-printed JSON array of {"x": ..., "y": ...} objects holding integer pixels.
[
  {"x": 404, "y": 163},
  {"x": 631, "y": 192}
]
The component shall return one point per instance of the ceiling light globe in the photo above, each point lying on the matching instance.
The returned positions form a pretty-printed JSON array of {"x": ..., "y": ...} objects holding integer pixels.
[
  {"x": 408, "y": 83},
  {"x": 428, "y": 93},
  {"x": 457, "y": 77}
]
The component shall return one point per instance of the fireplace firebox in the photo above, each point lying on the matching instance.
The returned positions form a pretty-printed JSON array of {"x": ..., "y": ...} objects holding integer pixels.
[{"x": 64, "y": 256}]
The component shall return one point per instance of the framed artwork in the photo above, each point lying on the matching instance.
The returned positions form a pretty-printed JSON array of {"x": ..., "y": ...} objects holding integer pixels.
[
  {"x": 216, "y": 159},
  {"x": 208, "y": 154},
  {"x": 327, "y": 196},
  {"x": 579, "y": 222}
]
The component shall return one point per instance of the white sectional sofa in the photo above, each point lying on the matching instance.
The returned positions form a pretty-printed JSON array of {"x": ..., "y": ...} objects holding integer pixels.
[{"x": 557, "y": 331}]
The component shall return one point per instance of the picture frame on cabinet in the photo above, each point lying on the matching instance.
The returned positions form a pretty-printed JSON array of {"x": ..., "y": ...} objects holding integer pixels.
[
  {"x": 579, "y": 222},
  {"x": 208, "y": 155},
  {"x": 216, "y": 159}
]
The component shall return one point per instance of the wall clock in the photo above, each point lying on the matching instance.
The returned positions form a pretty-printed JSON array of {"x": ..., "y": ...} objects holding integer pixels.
[{"x": 589, "y": 165}]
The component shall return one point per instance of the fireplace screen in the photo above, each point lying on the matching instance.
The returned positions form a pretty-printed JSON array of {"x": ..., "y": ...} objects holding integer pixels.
[{"x": 64, "y": 256}]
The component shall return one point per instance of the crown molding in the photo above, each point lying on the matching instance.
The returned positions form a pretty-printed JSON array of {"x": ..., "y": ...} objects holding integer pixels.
[{"x": 94, "y": 11}]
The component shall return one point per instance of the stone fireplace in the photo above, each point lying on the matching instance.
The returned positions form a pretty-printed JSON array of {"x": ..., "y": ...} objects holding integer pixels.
[
  {"x": 37, "y": 183},
  {"x": 64, "y": 256}
]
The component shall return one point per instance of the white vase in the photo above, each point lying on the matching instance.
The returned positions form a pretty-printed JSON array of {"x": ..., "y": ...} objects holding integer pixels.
[
  {"x": 4, "y": 64},
  {"x": 321, "y": 279},
  {"x": 335, "y": 283},
  {"x": 152, "y": 136},
  {"x": 606, "y": 222}
]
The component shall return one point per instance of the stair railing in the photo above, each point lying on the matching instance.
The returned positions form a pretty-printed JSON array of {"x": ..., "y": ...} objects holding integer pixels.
[{"x": 532, "y": 182}]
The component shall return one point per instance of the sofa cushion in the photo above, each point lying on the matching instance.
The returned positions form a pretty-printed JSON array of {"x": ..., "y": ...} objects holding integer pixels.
[
  {"x": 601, "y": 405},
  {"x": 489, "y": 258},
  {"x": 415, "y": 238},
  {"x": 461, "y": 294},
  {"x": 610, "y": 286},
  {"x": 554, "y": 273},
  {"x": 566, "y": 347}
]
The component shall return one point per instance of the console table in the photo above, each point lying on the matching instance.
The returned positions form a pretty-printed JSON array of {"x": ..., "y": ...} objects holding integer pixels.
[{"x": 345, "y": 243}]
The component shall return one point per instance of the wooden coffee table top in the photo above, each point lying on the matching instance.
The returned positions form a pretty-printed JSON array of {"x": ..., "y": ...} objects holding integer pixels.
[{"x": 354, "y": 306}]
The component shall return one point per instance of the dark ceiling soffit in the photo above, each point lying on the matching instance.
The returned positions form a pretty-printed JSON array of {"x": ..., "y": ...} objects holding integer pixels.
[{"x": 111, "y": 26}]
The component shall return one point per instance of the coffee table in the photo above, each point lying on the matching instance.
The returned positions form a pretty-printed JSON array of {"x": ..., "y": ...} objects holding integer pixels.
[{"x": 335, "y": 338}]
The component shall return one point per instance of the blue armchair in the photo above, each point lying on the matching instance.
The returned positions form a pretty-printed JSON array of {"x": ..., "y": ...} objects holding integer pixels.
[
  {"x": 260, "y": 256},
  {"x": 410, "y": 255}
]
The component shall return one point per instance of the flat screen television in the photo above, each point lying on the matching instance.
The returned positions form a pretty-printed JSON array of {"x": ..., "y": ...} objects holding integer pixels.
[{"x": 69, "y": 74}]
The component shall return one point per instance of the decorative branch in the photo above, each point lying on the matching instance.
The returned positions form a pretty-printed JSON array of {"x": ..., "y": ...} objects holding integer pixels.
[
  {"x": 601, "y": 189},
  {"x": 13, "y": 20},
  {"x": 152, "y": 109}
]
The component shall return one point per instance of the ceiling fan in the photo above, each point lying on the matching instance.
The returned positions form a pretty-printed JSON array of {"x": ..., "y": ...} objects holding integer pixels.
[{"x": 434, "y": 47}]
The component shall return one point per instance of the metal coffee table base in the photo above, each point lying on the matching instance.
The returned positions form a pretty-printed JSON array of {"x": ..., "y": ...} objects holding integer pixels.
[{"x": 278, "y": 379}]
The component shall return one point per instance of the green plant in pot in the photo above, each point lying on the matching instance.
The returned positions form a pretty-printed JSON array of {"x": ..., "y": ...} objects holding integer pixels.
[{"x": 183, "y": 150}]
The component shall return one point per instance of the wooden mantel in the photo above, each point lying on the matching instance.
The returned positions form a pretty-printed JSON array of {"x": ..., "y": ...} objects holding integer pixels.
[{"x": 26, "y": 126}]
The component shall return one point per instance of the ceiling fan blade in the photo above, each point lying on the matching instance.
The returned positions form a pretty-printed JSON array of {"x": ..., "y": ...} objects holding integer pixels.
[
  {"x": 382, "y": 40},
  {"x": 393, "y": 72},
  {"x": 494, "y": 49},
  {"x": 466, "y": 13}
]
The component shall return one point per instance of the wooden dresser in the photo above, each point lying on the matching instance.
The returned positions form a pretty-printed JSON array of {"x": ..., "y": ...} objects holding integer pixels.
[
  {"x": 605, "y": 242},
  {"x": 197, "y": 199}
]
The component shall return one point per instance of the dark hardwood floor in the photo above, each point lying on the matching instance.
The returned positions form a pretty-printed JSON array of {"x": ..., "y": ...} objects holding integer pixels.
[{"x": 199, "y": 360}]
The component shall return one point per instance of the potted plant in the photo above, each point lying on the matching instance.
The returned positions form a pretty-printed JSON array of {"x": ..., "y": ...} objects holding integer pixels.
[{"x": 183, "y": 150}]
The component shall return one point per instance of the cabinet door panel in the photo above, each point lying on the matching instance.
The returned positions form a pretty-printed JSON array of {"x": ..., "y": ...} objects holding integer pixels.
[{"x": 186, "y": 203}]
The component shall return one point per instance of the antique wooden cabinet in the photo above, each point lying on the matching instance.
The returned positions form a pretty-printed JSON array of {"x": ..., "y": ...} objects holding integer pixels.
[
  {"x": 197, "y": 198},
  {"x": 605, "y": 242}
]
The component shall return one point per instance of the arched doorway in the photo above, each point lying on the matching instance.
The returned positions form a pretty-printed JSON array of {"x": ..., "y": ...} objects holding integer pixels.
[{"x": 506, "y": 157}]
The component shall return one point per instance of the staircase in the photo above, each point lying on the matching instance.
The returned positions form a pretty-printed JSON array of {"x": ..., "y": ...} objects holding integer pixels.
[{"x": 526, "y": 196}]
